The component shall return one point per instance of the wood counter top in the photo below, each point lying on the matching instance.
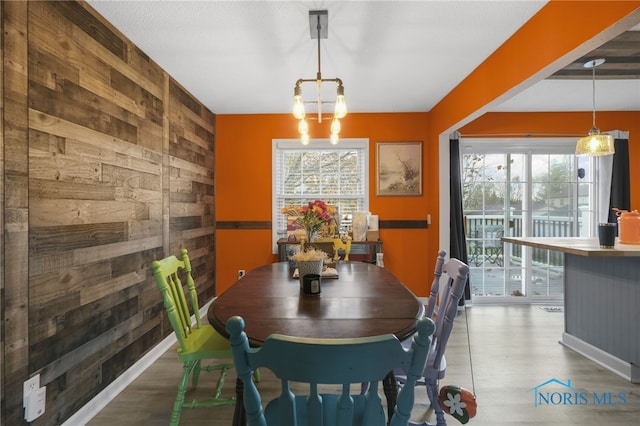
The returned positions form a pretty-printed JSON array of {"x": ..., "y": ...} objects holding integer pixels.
[{"x": 578, "y": 246}]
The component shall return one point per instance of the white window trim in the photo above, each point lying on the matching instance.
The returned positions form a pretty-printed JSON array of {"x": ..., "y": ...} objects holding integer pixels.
[
  {"x": 315, "y": 144},
  {"x": 518, "y": 145}
]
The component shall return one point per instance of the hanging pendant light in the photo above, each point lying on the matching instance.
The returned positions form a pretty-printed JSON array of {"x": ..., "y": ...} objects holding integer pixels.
[
  {"x": 319, "y": 20},
  {"x": 595, "y": 144}
]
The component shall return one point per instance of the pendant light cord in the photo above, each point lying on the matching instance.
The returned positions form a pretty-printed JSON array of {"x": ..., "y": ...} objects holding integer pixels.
[{"x": 594, "y": 95}]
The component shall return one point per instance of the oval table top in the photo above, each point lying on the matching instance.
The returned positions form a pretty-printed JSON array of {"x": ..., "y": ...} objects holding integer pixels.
[{"x": 364, "y": 300}]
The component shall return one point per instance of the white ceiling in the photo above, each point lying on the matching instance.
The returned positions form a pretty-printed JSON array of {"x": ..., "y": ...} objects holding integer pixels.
[{"x": 244, "y": 57}]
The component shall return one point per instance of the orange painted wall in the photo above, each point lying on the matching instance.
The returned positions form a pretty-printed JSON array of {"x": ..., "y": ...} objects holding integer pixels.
[
  {"x": 244, "y": 185},
  {"x": 243, "y": 190},
  {"x": 243, "y": 143},
  {"x": 562, "y": 123},
  {"x": 553, "y": 33}
]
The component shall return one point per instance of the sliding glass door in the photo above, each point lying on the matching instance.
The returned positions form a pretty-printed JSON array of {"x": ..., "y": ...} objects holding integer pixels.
[{"x": 522, "y": 188}]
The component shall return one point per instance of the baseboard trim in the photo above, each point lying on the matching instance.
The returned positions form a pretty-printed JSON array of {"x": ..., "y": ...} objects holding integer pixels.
[
  {"x": 97, "y": 403},
  {"x": 612, "y": 363}
]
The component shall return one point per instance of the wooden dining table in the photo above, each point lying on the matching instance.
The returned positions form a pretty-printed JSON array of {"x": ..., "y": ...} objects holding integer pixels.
[{"x": 362, "y": 300}]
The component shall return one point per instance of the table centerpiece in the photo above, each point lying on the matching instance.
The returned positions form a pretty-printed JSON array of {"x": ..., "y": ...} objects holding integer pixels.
[
  {"x": 309, "y": 262},
  {"x": 312, "y": 217}
]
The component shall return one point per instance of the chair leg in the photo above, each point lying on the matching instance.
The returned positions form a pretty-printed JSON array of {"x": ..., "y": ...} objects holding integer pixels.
[
  {"x": 216, "y": 400},
  {"x": 476, "y": 256},
  {"x": 494, "y": 255},
  {"x": 432, "y": 393},
  {"x": 182, "y": 389},
  {"x": 390, "y": 388},
  {"x": 193, "y": 369},
  {"x": 195, "y": 375},
  {"x": 220, "y": 383}
]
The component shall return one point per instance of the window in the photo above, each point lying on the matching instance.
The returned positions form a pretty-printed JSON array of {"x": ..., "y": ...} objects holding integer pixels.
[
  {"x": 523, "y": 188},
  {"x": 336, "y": 174}
]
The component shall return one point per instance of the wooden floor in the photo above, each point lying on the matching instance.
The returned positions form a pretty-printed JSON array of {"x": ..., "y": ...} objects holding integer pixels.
[{"x": 514, "y": 349}]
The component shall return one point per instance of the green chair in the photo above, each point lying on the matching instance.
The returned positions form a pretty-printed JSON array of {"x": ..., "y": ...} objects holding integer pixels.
[{"x": 197, "y": 342}]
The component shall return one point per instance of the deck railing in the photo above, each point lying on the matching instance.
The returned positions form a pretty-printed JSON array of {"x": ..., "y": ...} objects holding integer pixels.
[{"x": 547, "y": 226}]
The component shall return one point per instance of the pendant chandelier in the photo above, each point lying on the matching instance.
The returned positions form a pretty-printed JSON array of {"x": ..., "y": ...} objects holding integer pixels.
[
  {"x": 319, "y": 21},
  {"x": 595, "y": 144}
]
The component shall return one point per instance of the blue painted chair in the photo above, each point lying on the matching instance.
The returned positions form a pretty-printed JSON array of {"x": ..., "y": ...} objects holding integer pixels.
[
  {"x": 196, "y": 343},
  {"x": 320, "y": 362},
  {"x": 435, "y": 368}
]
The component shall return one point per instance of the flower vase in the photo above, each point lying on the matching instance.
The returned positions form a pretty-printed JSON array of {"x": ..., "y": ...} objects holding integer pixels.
[
  {"x": 311, "y": 234},
  {"x": 308, "y": 267}
]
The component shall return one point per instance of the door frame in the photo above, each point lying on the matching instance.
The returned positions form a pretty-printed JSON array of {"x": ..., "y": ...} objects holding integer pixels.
[{"x": 527, "y": 146}]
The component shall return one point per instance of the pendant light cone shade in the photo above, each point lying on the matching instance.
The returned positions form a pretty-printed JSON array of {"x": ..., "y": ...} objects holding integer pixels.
[
  {"x": 595, "y": 144},
  {"x": 319, "y": 28}
]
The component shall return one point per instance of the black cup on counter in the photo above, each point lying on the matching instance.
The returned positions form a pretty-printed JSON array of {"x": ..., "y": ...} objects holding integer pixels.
[
  {"x": 311, "y": 284},
  {"x": 607, "y": 235}
]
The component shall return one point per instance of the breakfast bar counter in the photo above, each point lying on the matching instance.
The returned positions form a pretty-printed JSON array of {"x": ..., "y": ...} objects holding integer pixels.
[{"x": 601, "y": 300}]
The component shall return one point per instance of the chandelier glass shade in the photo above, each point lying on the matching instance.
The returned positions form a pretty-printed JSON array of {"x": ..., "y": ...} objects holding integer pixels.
[
  {"x": 319, "y": 19},
  {"x": 595, "y": 144}
]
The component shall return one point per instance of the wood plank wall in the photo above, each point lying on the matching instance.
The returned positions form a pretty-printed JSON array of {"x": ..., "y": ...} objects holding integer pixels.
[
  {"x": 108, "y": 164},
  {"x": 2, "y": 293}
]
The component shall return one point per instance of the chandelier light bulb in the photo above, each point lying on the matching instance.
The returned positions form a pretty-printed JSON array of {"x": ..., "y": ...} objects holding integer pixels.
[
  {"x": 298, "y": 106},
  {"x": 334, "y": 139},
  {"x": 341, "y": 105},
  {"x": 304, "y": 139},
  {"x": 335, "y": 126},
  {"x": 303, "y": 127}
]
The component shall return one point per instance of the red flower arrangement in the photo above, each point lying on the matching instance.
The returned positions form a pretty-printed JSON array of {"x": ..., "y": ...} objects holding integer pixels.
[{"x": 312, "y": 216}]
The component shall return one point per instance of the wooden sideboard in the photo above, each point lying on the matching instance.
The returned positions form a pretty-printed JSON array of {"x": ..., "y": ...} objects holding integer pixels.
[{"x": 364, "y": 251}]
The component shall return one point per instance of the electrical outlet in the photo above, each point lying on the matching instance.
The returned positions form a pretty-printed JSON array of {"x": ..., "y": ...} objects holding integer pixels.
[
  {"x": 35, "y": 404},
  {"x": 34, "y": 398},
  {"x": 240, "y": 273},
  {"x": 30, "y": 386}
]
